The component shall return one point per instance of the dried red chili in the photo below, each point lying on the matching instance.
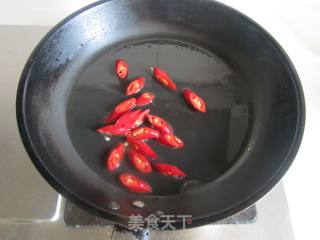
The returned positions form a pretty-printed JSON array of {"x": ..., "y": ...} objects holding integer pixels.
[
  {"x": 120, "y": 109},
  {"x": 143, "y": 133},
  {"x": 145, "y": 99},
  {"x": 115, "y": 157},
  {"x": 122, "y": 68},
  {"x": 194, "y": 100},
  {"x": 171, "y": 141},
  {"x": 163, "y": 78},
  {"x": 135, "y": 86},
  {"x": 134, "y": 183},
  {"x": 169, "y": 170},
  {"x": 139, "y": 161},
  {"x": 142, "y": 148},
  {"x": 159, "y": 124}
]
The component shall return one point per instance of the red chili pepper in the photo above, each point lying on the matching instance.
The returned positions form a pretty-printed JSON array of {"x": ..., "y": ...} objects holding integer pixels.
[
  {"x": 122, "y": 68},
  {"x": 145, "y": 99},
  {"x": 135, "y": 86},
  {"x": 143, "y": 133},
  {"x": 132, "y": 119},
  {"x": 139, "y": 161},
  {"x": 139, "y": 120},
  {"x": 170, "y": 170},
  {"x": 159, "y": 124},
  {"x": 128, "y": 117},
  {"x": 115, "y": 157},
  {"x": 163, "y": 78},
  {"x": 134, "y": 183},
  {"x": 142, "y": 148},
  {"x": 194, "y": 100},
  {"x": 113, "y": 130},
  {"x": 170, "y": 140},
  {"x": 120, "y": 109}
]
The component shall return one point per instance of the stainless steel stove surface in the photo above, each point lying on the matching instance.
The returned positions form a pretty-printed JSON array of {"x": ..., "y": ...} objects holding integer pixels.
[{"x": 31, "y": 209}]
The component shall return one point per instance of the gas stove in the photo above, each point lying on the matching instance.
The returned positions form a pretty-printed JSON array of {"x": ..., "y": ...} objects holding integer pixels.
[{"x": 31, "y": 209}]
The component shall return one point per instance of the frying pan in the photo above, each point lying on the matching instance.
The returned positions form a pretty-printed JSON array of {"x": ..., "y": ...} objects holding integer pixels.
[{"x": 234, "y": 153}]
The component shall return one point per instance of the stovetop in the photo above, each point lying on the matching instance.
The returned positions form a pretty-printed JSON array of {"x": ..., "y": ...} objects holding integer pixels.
[
  {"x": 31, "y": 209},
  {"x": 73, "y": 216}
]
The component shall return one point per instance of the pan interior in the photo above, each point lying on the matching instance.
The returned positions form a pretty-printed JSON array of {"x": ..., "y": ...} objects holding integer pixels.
[{"x": 213, "y": 140}]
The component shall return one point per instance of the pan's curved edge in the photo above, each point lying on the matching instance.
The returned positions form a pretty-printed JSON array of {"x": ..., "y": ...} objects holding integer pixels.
[
  {"x": 20, "y": 115},
  {"x": 295, "y": 144},
  {"x": 25, "y": 137}
]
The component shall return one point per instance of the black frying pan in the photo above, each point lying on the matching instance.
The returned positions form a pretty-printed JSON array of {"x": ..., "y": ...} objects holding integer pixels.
[{"x": 233, "y": 154}]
